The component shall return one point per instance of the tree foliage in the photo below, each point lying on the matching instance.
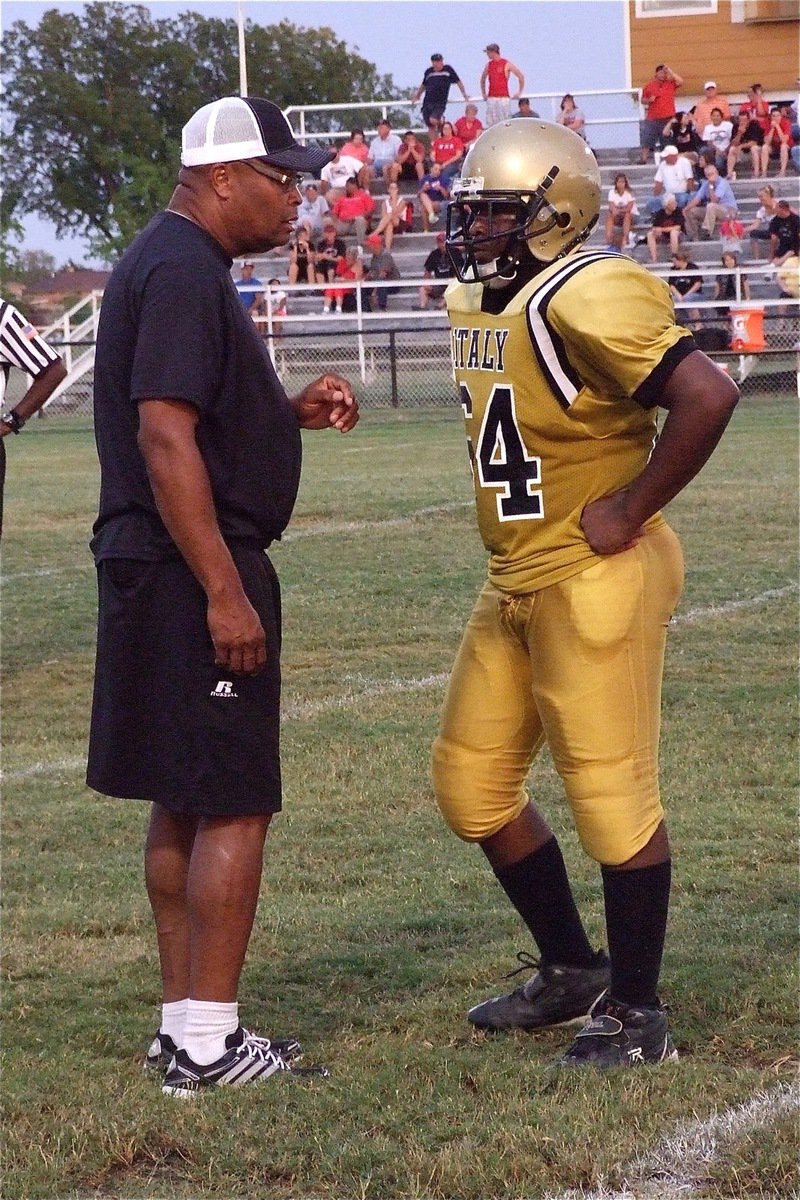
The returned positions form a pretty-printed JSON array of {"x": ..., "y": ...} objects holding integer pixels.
[{"x": 95, "y": 103}]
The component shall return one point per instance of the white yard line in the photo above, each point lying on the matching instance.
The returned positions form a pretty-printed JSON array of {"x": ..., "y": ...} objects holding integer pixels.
[
  {"x": 370, "y": 689},
  {"x": 677, "y": 1167},
  {"x": 731, "y": 606},
  {"x": 318, "y": 529}
]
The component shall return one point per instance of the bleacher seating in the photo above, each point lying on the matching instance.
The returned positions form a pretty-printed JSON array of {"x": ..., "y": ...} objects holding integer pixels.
[{"x": 411, "y": 249}]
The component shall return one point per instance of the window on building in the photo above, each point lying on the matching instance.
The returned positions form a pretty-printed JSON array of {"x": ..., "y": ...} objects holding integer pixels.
[{"x": 675, "y": 8}]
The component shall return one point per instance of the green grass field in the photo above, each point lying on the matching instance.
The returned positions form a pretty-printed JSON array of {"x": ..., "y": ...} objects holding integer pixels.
[{"x": 377, "y": 929}]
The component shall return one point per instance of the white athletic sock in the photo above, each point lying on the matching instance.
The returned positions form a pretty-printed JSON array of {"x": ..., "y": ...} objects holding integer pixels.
[
  {"x": 207, "y": 1025},
  {"x": 173, "y": 1019}
]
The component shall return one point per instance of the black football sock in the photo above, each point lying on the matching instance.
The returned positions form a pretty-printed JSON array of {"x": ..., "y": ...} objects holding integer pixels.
[
  {"x": 539, "y": 889},
  {"x": 637, "y": 903}
]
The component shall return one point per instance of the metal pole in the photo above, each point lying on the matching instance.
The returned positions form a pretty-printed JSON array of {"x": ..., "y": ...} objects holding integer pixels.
[
  {"x": 393, "y": 368},
  {"x": 242, "y": 52}
]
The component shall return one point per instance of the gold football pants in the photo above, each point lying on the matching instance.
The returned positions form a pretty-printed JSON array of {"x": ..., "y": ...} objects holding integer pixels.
[{"x": 578, "y": 665}]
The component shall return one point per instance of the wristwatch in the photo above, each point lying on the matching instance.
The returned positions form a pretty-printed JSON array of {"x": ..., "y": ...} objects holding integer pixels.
[{"x": 14, "y": 421}]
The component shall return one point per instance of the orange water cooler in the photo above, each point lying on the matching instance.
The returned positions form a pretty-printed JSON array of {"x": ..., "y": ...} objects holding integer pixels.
[{"x": 747, "y": 328}]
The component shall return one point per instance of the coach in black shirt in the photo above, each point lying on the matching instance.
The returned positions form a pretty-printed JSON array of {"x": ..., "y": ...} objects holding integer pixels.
[{"x": 200, "y": 451}]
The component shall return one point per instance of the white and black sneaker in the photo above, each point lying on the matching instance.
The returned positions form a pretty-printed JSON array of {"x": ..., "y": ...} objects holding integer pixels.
[
  {"x": 163, "y": 1049},
  {"x": 554, "y": 995},
  {"x": 621, "y": 1035},
  {"x": 247, "y": 1059},
  {"x": 161, "y": 1053}
]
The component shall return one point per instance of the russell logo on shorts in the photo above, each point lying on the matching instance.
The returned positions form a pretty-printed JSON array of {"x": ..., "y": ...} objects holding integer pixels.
[{"x": 224, "y": 691}]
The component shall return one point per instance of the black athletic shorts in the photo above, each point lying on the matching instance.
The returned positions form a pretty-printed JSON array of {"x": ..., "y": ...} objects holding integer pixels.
[{"x": 168, "y": 725}]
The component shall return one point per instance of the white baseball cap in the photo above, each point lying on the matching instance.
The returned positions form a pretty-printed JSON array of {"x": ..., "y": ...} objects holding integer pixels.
[
  {"x": 236, "y": 128},
  {"x": 669, "y": 150},
  {"x": 709, "y": 84}
]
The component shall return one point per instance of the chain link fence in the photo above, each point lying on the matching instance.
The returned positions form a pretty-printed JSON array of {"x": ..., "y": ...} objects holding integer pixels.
[{"x": 397, "y": 362}]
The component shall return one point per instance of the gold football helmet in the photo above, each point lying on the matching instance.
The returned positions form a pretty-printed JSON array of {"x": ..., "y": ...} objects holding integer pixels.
[{"x": 524, "y": 183}]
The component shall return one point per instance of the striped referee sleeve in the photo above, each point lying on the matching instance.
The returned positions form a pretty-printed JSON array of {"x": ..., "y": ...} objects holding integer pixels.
[{"x": 20, "y": 344}]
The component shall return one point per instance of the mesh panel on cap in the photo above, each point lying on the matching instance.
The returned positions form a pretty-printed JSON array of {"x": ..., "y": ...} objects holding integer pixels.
[
  {"x": 234, "y": 123},
  {"x": 223, "y": 131}
]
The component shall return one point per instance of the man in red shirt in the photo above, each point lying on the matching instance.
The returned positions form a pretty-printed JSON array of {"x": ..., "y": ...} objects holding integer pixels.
[
  {"x": 494, "y": 85},
  {"x": 353, "y": 210},
  {"x": 658, "y": 98}
]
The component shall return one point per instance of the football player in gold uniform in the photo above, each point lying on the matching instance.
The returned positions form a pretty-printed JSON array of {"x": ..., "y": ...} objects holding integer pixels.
[{"x": 562, "y": 358}]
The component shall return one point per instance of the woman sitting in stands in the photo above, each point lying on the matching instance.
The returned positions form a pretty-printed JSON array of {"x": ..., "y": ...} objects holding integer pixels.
[
  {"x": 347, "y": 268},
  {"x": 622, "y": 209},
  {"x": 572, "y": 116},
  {"x": 448, "y": 151},
  {"x": 778, "y": 141},
  {"x": 725, "y": 283},
  {"x": 680, "y": 131},
  {"x": 301, "y": 260},
  {"x": 396, "y": 215}
]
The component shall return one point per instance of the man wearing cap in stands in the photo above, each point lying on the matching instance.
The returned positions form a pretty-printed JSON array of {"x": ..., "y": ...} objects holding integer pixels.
[
  {"x": 494, "y": 85},
  {"x": 703, "y": 109},
  {"x": 658, "y": 101},
  {"x": 436, "y": 83},
  {"x": 199, "y": 449},
  {"x": 673, "y": 175}
]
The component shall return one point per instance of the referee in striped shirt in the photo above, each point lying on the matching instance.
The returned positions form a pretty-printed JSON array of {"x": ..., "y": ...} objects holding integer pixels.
[{"x": 21, "y": 346}]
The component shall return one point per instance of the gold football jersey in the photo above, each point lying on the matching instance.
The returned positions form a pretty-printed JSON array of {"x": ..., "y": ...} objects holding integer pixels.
[{"x": 547, "y": 389}]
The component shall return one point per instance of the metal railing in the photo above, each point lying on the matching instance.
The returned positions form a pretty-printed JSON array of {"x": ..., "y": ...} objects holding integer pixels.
[{"x": 619, "y": 107}]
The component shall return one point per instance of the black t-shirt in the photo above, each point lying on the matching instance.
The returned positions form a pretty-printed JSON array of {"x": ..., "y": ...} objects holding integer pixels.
[
  {"x": 683, "y": 283},
  {"x": 787, "y": 231},
  {"x": 172, "y": 326},
  {"x": 438, "y": 264},
  {"x": 437, "y": 82}
]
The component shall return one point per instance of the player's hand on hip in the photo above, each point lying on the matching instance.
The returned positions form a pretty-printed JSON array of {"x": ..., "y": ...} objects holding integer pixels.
[
  {"x": 327, "y": 403},
  {"x": 238, "y": 635},
  {"x": 608, "y": 526}
]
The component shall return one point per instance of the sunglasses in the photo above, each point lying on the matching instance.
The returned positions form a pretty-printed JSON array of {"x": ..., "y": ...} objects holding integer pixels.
[{"x": 287, "y": 179}]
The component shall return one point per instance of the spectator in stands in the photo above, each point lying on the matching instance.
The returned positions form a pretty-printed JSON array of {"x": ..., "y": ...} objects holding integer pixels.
[
  {"x": 777, "y": 141},
  {"x": 330, "y": 248},
  {"x": 784, "y": 233},
  {"x": 433, "y": 193},
  {"x": 680, "y": 131},
  {"x": 356, "y": 146},
  {"x": 717, "y": 137},
  {"x": 571, "y": 116},
  {"x": 437, "y": 80},
  {"x": 381, "y": 268},
  {"x": 756, "y": 106},
  {"x": 312, "y": 211},
  {"x": 748, "y": 136},
  {"x": 409, "y": 161},
  {"x": 353, "y": 210},
  {"x": 347, "y": 268},
  {"x": 246, "y": 286},
  {"x": 396, "y": 215},
  {"x": 714, "y": 201},
  {"x": 725, "y": 283},
  {"x": 682, "y": 284},
  {"x": 335, "y": 174},
  {"x": 382, "y": 152},
  {"x": 524, "y": 108},
  {"x": 495, "y": 85},
  {"x": 667, "y": 222},
  {"x": 621, "y": 210},
  {"x": 278, "y": 305},
  {"x": 759, "y": 228},
  {"x": 704, "y": 109},
  {"x": 673, "y": 175},
  {"x": 658, "y": 99},
  {"x": 301, "y": 259},
  {"x": 469, "y": 126},
  {"x": 448, "y": 151},
  {"x": 438, "y": 265}
]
